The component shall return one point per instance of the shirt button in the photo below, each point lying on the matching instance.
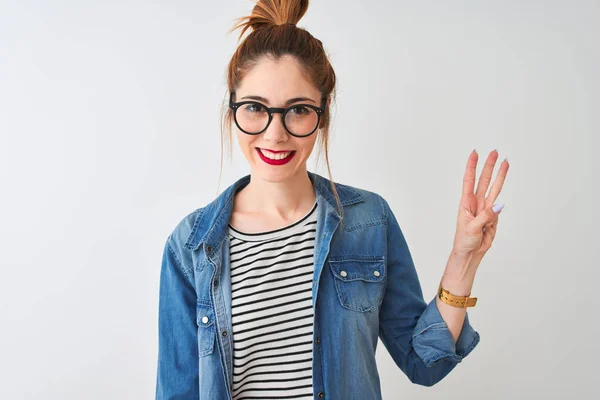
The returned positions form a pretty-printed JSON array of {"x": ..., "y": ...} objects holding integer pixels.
[
  {"x": 224, "y": 333},
  {"x": 204, "y": 320},
  {"x": 317, "y": 340},
  {"x": 321, "y": 395},
  {"x": 343, "y": 274},
  {"x": 376, "y": 273},
  {"x": 209, "y": 248},
  {"x": 216, "y": 282}
]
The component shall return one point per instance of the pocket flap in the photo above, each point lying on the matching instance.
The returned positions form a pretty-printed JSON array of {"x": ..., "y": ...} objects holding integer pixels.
[
  {"x": 352, "y": 268},
  {"x": 204, "y": 314},
  {"x": 205, "y": 318}
]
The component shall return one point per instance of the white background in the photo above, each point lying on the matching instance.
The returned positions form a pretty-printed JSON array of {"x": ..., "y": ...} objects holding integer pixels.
[{"x": 109, "y": 135}]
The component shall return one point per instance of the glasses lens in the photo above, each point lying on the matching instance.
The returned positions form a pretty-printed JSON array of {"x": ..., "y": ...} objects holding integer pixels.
[
  {"x": 252, "y": 117},
  {"x": 301, "y": 120}
]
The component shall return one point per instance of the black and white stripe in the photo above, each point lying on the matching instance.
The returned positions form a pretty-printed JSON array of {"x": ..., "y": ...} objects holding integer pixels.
[{"x": 272, "y": 314}]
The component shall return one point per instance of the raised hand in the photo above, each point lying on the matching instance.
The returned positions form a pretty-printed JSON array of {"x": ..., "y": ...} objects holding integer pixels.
[{"x": 477, "y": 217}]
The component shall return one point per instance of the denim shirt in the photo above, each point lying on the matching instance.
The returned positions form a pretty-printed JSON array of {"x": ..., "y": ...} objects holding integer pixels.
[{"x": 365, "y": 287}]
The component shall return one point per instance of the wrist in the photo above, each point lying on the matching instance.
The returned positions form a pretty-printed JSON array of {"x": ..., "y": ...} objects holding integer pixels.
[
  {"x": 459, "y": 275},
  {"x": 457, "y": 287}
]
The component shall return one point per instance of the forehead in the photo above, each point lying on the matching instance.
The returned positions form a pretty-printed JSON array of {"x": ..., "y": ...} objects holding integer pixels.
[{"x": 277, "y": 80}]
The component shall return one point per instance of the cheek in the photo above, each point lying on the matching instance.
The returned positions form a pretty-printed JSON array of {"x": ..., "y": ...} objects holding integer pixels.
[
  {"x": 245, "y": 141},
  {"x": 306, "y": 146}
]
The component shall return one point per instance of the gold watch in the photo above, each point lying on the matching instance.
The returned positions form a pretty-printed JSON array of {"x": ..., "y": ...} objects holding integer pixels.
[{"x": 456, "y": 301}]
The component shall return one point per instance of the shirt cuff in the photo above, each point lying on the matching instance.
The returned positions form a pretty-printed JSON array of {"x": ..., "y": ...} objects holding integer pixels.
[{"x": 433, "y": 341}]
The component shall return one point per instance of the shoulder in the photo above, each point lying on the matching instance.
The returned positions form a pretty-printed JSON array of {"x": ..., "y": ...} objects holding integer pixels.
[
  {"x": 185, "y": 227},
  {"x": 368, "y": 197},
  {"x": 351, "y": 194},
  {"x": 179, "y": 238},
  {"x": 370, "y": 207},
  {"x": 372, "y": 211}
]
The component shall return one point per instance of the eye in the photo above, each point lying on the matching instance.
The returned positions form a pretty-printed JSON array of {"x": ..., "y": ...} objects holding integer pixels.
[
  {"x": 254, "y": 108},
  {"x": 299, "y": 110}
]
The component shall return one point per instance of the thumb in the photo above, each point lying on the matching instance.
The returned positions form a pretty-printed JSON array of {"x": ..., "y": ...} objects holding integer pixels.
[{"x": 486, "y": 217}]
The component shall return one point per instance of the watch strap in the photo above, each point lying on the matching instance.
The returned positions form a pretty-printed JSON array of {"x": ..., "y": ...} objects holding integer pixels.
[{"x": 456, "y": 301}]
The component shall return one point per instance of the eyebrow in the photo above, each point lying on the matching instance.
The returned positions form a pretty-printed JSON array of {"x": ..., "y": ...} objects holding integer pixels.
[{"x": 287, "y": 103}]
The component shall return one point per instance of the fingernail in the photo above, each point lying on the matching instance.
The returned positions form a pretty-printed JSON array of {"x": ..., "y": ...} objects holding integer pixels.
[
  {"x": 497, "y": 207},
  {"x": 474, "y": 151}
]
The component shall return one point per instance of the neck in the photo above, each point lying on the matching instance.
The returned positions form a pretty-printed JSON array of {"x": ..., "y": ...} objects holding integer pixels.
[{"x": 284, "y": 199}]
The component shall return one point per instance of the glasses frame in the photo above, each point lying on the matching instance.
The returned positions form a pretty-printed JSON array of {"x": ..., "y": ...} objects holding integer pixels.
[{"x": 274, "y": 110}]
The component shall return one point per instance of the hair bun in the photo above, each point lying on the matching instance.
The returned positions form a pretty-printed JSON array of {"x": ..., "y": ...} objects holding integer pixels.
[{"x": 272, "y": 12}]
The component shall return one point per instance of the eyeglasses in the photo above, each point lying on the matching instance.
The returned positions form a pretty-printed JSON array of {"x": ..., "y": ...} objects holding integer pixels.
[{"x": 299, "y": 120}]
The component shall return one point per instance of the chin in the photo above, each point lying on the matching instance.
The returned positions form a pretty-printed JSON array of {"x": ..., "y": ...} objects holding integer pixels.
[
  {"x": 273, "y": 177},
  {"x": 275, "y": 174}
]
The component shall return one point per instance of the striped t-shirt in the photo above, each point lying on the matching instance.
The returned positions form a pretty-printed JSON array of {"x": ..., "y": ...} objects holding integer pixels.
[{"x": 271, "y": 309}]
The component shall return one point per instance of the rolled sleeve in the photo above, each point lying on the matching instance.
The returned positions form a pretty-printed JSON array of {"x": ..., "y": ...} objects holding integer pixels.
[
  {"x": 412, "y": 330},
  {"x": 433, "y": 341}
]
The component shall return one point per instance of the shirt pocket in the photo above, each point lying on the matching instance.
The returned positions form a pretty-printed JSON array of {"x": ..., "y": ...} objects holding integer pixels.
[
  {"x": 359, "y": 281},
  {"x": 205, "y": 319}
]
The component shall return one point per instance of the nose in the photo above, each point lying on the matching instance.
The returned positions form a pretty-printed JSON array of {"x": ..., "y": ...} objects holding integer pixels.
[{"x": 276, "y": 132}]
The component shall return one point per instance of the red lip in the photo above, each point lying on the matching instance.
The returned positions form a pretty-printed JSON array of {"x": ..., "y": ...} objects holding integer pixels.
[{"x": 275, "y": 162}]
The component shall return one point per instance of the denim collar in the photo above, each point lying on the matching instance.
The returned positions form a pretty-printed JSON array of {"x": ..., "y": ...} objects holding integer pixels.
[{"x": 211, "y": 224}]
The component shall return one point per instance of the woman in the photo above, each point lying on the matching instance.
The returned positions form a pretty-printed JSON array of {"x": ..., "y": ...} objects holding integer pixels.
[{"x": 281, "y": 287}]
